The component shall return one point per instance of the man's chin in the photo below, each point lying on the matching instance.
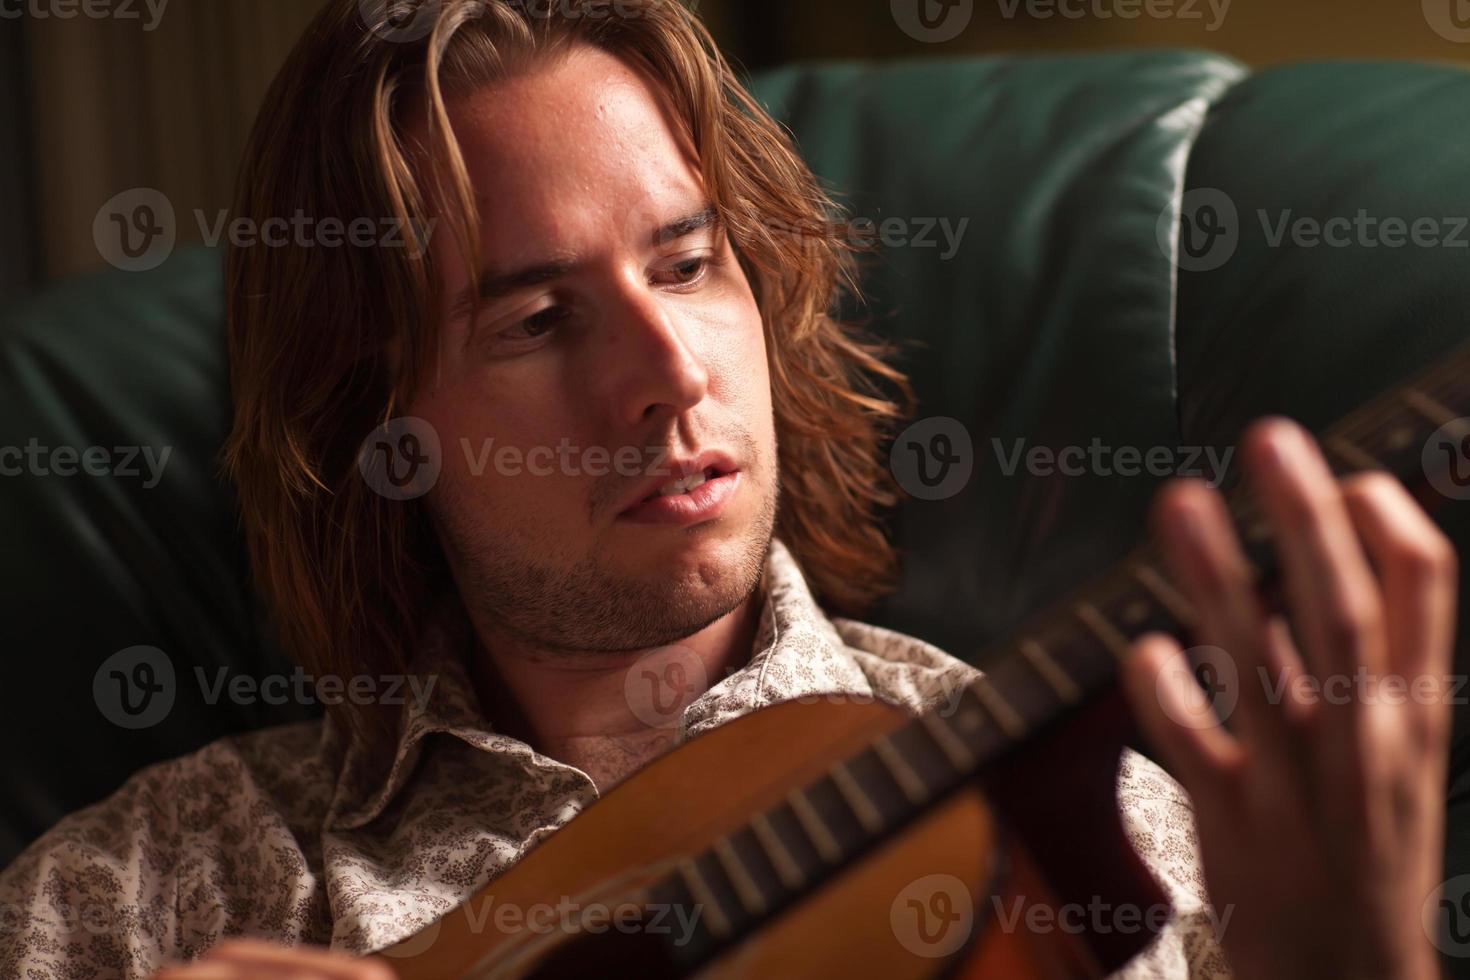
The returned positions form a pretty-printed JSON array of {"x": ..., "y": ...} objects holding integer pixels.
[{"x": 714, "y": 555}]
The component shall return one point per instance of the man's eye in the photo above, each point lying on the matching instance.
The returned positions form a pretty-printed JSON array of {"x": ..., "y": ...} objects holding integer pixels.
[
  {"x": 687, "y": 273},
  {"x": 535, "y": 325}
]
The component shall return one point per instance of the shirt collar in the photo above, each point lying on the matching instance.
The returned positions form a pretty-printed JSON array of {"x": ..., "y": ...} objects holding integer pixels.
[{"x": 796, "y": 653}]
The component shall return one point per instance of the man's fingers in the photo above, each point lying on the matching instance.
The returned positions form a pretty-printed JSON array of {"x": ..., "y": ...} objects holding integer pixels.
[
  {"x": 1198, "y": 539},
  {"x": 243, "y": 958},
  {"x": 213, "y": 970},
  {"x": 1177, "y": 717},
  {"x": 1334, "y": 598},
  {"x": 1417, "y": 565},
  {"x": 1418, "y": 569}
]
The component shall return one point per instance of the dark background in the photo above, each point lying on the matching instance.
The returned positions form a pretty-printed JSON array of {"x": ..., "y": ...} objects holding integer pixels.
[{"x": 91, "y": 107}]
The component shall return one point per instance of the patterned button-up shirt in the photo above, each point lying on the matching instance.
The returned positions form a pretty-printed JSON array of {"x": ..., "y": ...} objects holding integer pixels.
[{"x": 294, "y": 833}]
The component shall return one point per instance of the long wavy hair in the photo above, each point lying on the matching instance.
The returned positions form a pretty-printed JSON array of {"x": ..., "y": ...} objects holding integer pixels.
[{"x": 349, "y": 575}]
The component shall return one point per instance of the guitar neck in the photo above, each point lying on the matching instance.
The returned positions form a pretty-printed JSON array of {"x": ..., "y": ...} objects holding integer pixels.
[{"x": 1037, "y": 677}]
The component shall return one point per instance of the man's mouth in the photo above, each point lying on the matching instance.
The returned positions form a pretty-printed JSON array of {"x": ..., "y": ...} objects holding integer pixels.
[
  {"x": 684, "y": 484},
  {"x": 698, "y": 496}
]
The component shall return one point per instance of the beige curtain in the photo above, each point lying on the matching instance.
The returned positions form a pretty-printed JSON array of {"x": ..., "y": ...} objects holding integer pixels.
[{"x": 164, "y": 102}]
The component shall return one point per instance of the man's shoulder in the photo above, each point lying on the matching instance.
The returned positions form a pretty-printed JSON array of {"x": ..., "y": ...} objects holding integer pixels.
[
  {"x": 904, "y": 669},
  {"x": 161, "y": 866},
  {"x": 281, "y": 767}
]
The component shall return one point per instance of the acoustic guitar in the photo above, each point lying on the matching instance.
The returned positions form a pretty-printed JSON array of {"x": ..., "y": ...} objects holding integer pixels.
[{"x": 854, "y": 839}]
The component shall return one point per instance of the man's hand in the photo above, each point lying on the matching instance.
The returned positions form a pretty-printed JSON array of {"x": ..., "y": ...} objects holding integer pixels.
[
  {"x": 256, "y": 959},
  {"x": 1321, "y": 811}
]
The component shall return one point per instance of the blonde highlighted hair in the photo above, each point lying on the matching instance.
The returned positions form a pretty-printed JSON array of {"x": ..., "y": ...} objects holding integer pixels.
[{"x": 348, "y": 574}]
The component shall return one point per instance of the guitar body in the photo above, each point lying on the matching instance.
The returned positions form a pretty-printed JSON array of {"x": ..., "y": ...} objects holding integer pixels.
[{"x": 944, "y": 896}]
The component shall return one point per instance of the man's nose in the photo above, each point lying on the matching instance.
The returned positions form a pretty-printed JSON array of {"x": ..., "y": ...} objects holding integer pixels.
[{"x": 652, "y": 356}]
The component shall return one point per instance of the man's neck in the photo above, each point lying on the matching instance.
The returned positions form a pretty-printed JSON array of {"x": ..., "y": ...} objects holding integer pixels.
[{"x": 555, "y": 700}]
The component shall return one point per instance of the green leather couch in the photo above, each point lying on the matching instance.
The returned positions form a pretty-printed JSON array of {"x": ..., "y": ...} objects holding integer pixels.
[{"x": 1058, "y": 319}]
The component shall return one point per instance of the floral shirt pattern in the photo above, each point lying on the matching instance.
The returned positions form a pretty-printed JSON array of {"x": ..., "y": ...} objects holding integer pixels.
[{"x": 296, "y": 834}]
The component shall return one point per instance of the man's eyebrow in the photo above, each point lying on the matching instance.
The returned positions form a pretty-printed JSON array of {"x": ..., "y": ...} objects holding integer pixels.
[
  {"x": 687, "y": 225},
  {"x": 494, "y": 284}
]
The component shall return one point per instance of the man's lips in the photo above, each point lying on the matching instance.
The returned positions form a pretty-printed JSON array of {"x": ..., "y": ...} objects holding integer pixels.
[
  {"x": 703, "y": 503},
  {"x": 712, "y": 463}
]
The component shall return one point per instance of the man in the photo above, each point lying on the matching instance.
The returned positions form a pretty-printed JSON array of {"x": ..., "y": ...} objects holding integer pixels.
[{"x": 613, "y": 266}]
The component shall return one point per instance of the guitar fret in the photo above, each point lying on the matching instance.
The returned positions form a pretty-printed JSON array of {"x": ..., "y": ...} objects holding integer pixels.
[
  {"x": 811, "y": 822},
  {"x": 1257, "y": 530},
  {"x": 867, "y": 813},
  {"x": 786, "y": 867},
  {"x": 1136, "y": 612},
  {"x": 1060, "y": 681},
  {"x": 952, "y": 745},
  {"x": 1005, "y": 716},
  {"x": 704, "y": 898},
  {"x": 1099, "y": 626},
  {"x": 905, "y": 775},
  {"x": 1401, "y": 437},
  {"x": 1353, "y": 454},
  {"x": 1431, "y": 409},
  {"x": 1178, "y": 606},
  {"x": 745, "y": 886}
]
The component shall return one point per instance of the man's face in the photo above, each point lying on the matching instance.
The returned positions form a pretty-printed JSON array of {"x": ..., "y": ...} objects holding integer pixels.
[{"x": 632, "y": 344}]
